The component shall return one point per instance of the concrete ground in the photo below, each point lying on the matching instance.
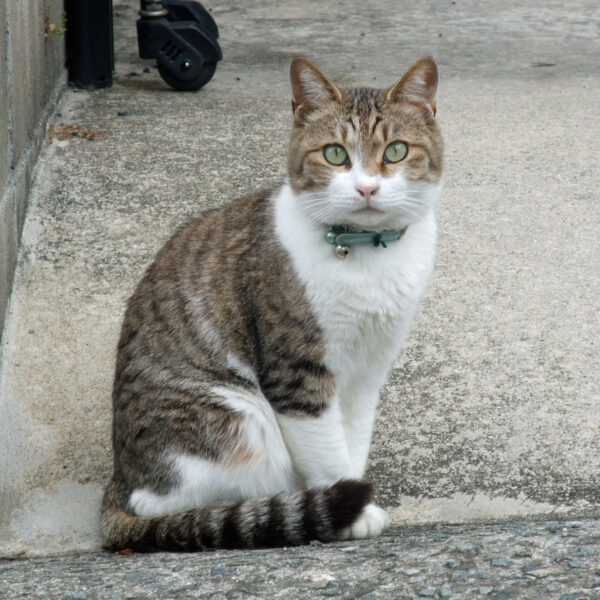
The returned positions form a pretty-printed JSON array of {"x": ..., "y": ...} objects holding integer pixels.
[{"x": 492, "y": 411}]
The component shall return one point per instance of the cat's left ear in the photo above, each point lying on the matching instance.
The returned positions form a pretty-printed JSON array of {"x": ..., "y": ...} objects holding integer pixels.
[
  {"x": 418, "y": 86},
  {"x": 310, "y": 88}
]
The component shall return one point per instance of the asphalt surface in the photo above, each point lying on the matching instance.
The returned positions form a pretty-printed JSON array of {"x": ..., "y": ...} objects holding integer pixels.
[{"x": 528, "y": 559}]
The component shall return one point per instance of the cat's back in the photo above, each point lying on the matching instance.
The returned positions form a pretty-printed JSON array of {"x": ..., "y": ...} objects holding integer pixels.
[
  {"x": 212, "y": 241},
  {"x": 195, "y": 283}
]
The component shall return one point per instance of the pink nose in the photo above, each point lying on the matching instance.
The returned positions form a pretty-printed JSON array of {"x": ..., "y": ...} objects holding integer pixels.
[{"x": 367, "y": 189}]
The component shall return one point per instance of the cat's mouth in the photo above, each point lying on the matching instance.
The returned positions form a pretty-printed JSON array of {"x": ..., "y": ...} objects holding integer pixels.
[
  {"x": 366, "y": 206},
  {"x": 368, "y": 216},
  {"x": 368, "y": 210}
]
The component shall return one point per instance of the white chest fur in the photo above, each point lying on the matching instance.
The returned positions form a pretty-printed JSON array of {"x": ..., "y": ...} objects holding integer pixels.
[{"x": 364, "y": 303}]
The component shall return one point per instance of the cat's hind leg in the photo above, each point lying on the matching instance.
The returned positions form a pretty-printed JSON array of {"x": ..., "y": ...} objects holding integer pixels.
[
  {"x": 253, "y": 461},
  {"x": 244, "y": 498}
]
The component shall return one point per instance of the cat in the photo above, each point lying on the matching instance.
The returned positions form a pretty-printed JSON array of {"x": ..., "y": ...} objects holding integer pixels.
[{"x": 253, "y": 350}]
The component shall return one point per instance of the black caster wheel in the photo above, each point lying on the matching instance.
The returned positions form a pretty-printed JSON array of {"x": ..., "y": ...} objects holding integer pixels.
[
  {"x": 188, "y": 85},
  {"x": 182, "y": 36}
]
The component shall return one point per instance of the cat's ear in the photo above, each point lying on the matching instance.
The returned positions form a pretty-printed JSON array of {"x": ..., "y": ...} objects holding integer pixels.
[
  {"x": 418, "y": 86},
  {"x": 310, "y": 88}
]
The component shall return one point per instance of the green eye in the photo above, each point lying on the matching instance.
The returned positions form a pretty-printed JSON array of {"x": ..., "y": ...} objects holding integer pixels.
[
  {"x": 395, "y": 152},
  {"x": 335, "y": 154}
]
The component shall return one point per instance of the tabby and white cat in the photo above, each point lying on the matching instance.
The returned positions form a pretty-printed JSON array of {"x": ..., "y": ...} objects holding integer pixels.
[{"x": 253, "y": 350}]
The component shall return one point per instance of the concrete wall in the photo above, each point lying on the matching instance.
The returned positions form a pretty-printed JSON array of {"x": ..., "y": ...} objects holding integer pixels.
[{"x": 32, "y": 77}]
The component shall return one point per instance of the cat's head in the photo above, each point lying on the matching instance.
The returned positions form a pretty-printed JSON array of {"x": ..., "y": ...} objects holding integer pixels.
[{"x": 365, "y": 157}]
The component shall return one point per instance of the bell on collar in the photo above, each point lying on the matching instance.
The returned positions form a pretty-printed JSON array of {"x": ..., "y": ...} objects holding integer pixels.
[{"x": 342, "y": 251}]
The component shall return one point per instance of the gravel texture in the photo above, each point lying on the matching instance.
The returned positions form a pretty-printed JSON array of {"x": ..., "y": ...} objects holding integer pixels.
[{"x": 532, "y": 560}]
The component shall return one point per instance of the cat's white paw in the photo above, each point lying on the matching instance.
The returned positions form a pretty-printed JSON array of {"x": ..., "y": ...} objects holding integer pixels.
[{"x": 371, "y": 522}]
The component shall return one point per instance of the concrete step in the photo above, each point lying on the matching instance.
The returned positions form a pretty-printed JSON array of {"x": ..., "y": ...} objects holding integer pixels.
[
  {"x": 521, "y": 560},
  {"x": 491, "y": 412}
]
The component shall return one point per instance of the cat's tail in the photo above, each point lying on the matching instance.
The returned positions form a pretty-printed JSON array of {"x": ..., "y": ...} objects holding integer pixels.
[{"x": 282, "y": 520}]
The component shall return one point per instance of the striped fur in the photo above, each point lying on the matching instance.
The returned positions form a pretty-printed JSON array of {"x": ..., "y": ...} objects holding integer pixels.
[{"x": 282, "y": 520}]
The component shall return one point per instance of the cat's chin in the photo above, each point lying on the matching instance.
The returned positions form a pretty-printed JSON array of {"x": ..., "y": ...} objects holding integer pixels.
[{"x": 371, "y": 218}]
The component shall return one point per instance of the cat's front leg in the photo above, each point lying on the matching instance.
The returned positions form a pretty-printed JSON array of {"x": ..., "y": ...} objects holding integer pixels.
[
  {"x": 359, "y": 416},
  {"x": 370, "y": 523},
  {"x": 317, "y": 445},
  {"x": 319, "y": 451}
]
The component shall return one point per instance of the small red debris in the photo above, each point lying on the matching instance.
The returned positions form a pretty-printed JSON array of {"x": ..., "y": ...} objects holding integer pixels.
[{"x": 64, "y": 131}]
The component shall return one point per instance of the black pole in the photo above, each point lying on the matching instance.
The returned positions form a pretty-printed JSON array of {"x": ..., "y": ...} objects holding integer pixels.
[{"x": 89, "y": 43}]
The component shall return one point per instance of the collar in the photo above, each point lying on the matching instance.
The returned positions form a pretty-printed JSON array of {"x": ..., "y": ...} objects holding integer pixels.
[{"x": 343, "y": 236}]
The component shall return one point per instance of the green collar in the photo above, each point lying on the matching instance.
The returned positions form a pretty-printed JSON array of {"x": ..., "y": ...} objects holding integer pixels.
[{"x": 343, "y": 236}]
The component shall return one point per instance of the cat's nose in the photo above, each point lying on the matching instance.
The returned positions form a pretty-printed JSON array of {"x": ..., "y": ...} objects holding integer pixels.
[{"x": 366, "y": 190}]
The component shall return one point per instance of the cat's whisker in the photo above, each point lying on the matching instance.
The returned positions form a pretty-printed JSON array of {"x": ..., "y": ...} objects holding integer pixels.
[
  {"x": 321, "y": 215},
  {"x": 314, "y": 198},
  {"x": 315, "y": 202},
  {"x": 316, "y": 207}
]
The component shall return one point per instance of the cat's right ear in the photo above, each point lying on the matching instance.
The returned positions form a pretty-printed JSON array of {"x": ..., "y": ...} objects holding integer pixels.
[{"x": 310, "y": 88}]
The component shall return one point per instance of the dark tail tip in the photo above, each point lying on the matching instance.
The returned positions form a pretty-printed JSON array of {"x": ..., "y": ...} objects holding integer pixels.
[{"x": 346, "y": 499}]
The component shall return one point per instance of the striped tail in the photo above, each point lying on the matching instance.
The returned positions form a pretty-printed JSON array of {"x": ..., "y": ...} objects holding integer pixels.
[{"x": 282, "y": 520}]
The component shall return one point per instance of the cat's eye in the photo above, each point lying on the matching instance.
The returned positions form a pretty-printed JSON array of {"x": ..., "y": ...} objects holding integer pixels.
[
  {"x": 395, "y": 152},
  {"x": 336, "y": 155}
]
